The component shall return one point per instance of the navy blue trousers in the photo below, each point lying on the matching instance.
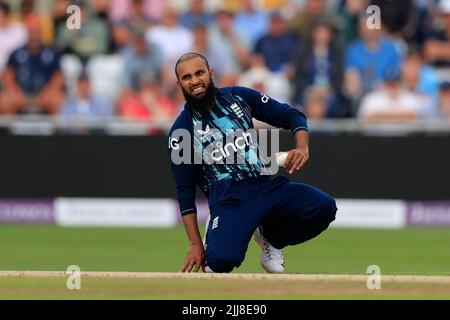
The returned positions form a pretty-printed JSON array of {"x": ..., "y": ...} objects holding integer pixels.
[{"x": 290, "y": 213}]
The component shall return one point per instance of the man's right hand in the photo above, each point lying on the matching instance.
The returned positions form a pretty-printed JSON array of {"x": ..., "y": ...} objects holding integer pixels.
[{"x": 194, "y": 259}]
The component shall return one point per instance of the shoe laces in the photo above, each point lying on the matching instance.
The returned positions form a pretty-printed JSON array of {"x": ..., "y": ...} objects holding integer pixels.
[{"x": 270, "y": 251}]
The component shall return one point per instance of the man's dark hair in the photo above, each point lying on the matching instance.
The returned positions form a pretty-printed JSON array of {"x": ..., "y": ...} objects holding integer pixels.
[
  {"x": 4, "y": 7},
  {"x": 189, "y": 56}
]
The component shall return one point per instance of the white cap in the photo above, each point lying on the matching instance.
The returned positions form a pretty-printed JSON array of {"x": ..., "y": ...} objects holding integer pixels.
[{"x": 444, "y": 6}]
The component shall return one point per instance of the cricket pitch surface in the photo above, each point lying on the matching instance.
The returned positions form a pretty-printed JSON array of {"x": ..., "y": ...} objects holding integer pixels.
[{"x": 209, "y": 286}]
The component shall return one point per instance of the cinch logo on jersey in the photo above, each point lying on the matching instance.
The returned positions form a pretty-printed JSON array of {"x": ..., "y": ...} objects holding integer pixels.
[{"x": 240, "y": 143}]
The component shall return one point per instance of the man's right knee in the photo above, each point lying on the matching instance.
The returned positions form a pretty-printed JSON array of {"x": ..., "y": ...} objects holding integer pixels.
[{"x": 221, "y": 265}]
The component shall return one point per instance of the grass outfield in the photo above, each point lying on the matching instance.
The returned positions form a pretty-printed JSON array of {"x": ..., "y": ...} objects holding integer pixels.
[{"x": 411, "y": 251}]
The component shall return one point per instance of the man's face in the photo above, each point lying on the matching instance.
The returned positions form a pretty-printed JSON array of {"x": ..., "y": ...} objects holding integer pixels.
[
  {"x": 196, "y": 83},
  {"x": 194, "y": 78},
  {"x": 368, "y": 34}
]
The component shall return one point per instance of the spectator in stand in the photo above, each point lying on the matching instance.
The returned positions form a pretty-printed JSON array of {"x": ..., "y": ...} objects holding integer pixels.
[
  {"x": 60, "y": 14},
  {"x": 277, "y": 47},
  {"x": 260, "y": 78},
  {"x": 303, "y": 21},
  {"x": 318, "y": 64},
  {"x": 196, "y": 15},
  {"x": 174, "y": 40},
  {"x": 101, "y": 8},
  {"x": 348, "y": 20},
  {"x": 316, "y": 105},
  {"x": 31, "y": 10},
  {"x": 390, "y": 103},
  {"x": 12, "y": 35},
  {"x": 423, "y": 80},
  {"x": 170, "y": 36},
  {"x": 419, "y": 76},
  {"x": 224, "y": 38},
  {"x": 149, "y": 102},
  {"x": 251, "y": 23},
  {"x": 140, "y": 57},
  {"x": 120, "y": 10},
  {"x": 85, "y": 104},
  {"x": 224, "y": 69},
  {"x": 270, "y": 5},
  {"x": 91, "y": 39},
  {"x": 33, "y": 79},
  {"x": 437, "y": 45},
  {"x": 444, "y": 100},
  {"x": 136, "y": 20},
  {"x": 366, "y": 62},
  {"x": 399, "y": 18},
  {"x": 424, "y": 10}
]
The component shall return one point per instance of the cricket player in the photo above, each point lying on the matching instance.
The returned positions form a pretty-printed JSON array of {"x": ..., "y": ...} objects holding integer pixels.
[{"x": 242, "y": 199}]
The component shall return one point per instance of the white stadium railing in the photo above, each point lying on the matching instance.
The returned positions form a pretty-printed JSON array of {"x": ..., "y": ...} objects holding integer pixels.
[{"x": 48, "y": 125}]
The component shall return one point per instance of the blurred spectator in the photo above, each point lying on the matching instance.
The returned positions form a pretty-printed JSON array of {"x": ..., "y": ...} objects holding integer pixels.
[
  {"x": 270, "y": 5},
  {"x": 140, "y": 57},
  {"x": 173, "y": 39},
  {"x": 251, "y": 23},
  {"x": 136, "y": 20},
  {"x": 91, "y": 39},
  {"x": 33, "y": 78},
  {"x": 224, "y": 66},
  {"x": 224, "y": 38},
  {"x": 319, "y": 64},
  {"x": 418, "y": 76},
  {"x": 277, "y": 47},
  {"x": 390, "y": 103},
  {"x": 100, "y": 8},
  {"x": 366, "y": 61},
  {"x": 423, "y": 80},
  {"x": 303, "y": 22},
  {"x": 120, "y": 10},
  {"x": 29, "y": 13},
  {"x": 149, "y": 102},
  {"x": 398, "y": 17},
  {"x": 60, "y": 14},
  {"x": 444, "y": 100},
  {"x": 85, "y": 104},
  {"x": 424, "y": 10},
  {"x": 316, "y": 103},
  {"x": 196, "y": 15},
  {"x": 12, "y": 35},
  {"x": 348, "y": 20},
  {"x": 260, "y": 78},
  {"x": 437, "y": 45}
]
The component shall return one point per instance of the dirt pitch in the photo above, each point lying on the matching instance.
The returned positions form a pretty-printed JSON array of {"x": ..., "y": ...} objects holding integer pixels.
[{"x": 151, "y": 285}]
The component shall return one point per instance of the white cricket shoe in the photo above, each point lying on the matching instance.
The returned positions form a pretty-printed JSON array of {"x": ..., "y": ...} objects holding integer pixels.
[
  {"x": 272, "y": 259},
  {"x": 208, "y": 270}
]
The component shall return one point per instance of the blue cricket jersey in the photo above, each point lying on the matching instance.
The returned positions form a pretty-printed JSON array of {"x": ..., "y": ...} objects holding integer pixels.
[{"x": 220, "y": 138}]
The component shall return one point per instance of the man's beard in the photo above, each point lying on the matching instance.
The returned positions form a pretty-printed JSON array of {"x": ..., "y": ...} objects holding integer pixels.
[{"x": 204, "y": 102}]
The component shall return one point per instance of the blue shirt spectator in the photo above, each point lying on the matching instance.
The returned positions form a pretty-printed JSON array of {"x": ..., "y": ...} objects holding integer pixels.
[
  {"x": 372, "y": 64},
  {"x": 34, "y": 70},
  {"x": 277, "y": 46},
  {"x": 368, "y": 59},
  {"x": 196, "y": 16},
  {"x": 84, "y": 104},
  {"x": 140, "y": 58},
  {"x": 251, "y": 23}
]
